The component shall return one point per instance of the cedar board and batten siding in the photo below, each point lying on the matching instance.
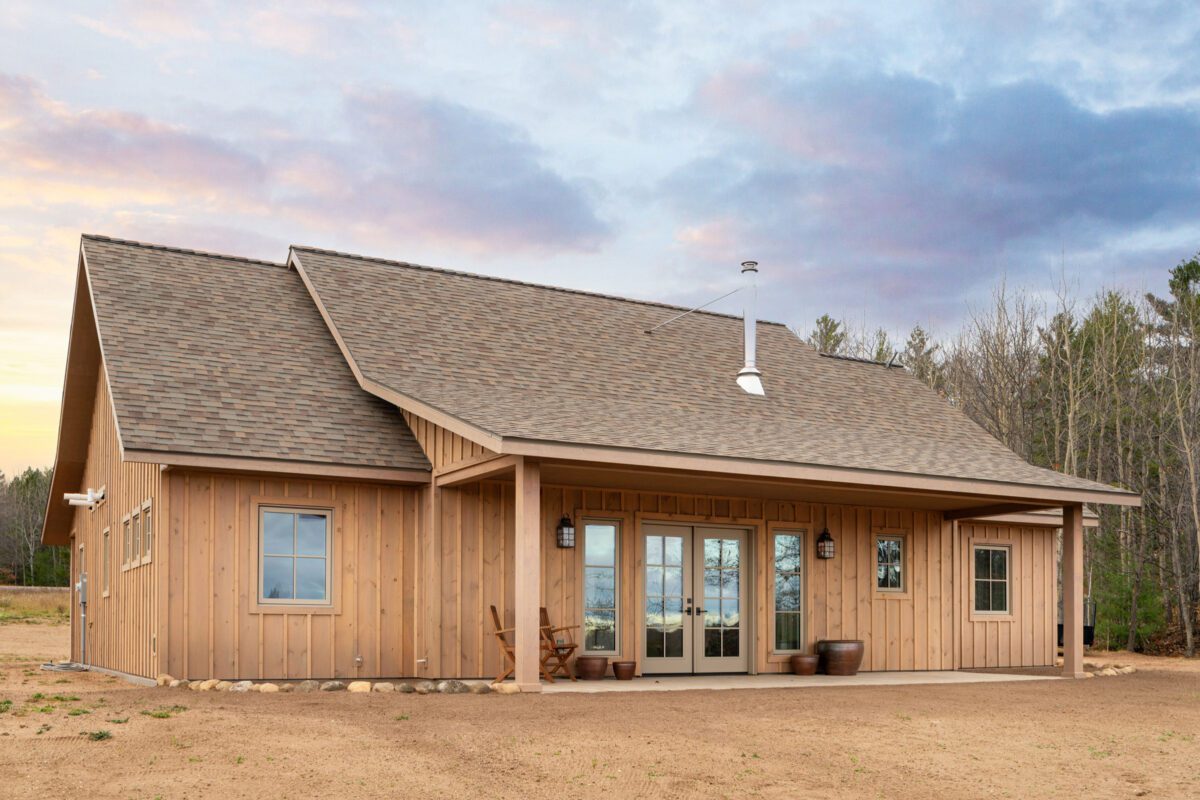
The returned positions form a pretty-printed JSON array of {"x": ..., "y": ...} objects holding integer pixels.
[
  {"x": 1028, "y": 636},
  {"x": 123, "y": 626},
  {"x": 411, "y": 603}
]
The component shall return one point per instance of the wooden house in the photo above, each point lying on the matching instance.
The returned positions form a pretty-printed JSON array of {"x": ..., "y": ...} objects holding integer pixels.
[{"x": 333, "y": 466}]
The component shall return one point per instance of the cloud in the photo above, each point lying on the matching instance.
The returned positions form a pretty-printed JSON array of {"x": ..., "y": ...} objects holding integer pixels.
[
  {"x": 395, "y": 167},
  {"x": 897, "y": 181}
]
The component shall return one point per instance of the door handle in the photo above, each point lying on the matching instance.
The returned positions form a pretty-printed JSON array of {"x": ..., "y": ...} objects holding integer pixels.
[{"x": 688, "y": 610}]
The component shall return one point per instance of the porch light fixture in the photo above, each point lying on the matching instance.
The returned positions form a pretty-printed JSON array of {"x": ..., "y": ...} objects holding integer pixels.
[
  {"x": 565, "y": 532},
  {"x": 825, "y": 545}
]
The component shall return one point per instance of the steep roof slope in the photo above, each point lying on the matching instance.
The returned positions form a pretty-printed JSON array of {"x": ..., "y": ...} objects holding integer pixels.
[
  {"x": 213, "y": 355},
  {"x": 537, "y": 363}
]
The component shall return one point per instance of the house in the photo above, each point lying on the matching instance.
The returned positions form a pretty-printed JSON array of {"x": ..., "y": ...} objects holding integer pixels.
[{"x": 333, "y": 466}]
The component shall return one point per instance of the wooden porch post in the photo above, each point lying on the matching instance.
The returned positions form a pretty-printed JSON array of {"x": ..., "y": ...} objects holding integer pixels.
[
  {"x": 527, "y": 581},
  {"x": 1072, "y": 590}
]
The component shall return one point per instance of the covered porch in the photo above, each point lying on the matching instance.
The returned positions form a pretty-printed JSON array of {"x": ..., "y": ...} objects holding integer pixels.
[{"x": 925, "y": 627}]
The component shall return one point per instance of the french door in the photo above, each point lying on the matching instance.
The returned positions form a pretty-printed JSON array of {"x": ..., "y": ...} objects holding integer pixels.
[{"x": 695, "y": 595}]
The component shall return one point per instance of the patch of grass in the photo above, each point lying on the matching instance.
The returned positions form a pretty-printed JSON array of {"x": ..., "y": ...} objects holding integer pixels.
[
  {"x": 164, "y": 712},
  {"x": 97, "y": 736},
  {"x": 5, "y": 705},
  {"x": 118, "y": 721},
  {"x": 44, "y": 709},
  {"x": 42, "y": 730},
  {"x": 77, "y": 712},
  {"x": 38, "y": 696},
  {"x": 63, "y": 698},
  {"x": 241, "y": 759},
  {"x": 402, "y": 718},
  {"x": 49, "y": 606}
]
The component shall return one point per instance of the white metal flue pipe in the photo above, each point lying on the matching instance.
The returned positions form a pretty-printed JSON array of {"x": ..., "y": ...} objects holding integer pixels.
[{"x": 750, "y": 379}]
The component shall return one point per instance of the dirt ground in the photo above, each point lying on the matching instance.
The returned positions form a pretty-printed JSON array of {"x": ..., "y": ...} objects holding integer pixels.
[{"x": 1126, "y": 736}]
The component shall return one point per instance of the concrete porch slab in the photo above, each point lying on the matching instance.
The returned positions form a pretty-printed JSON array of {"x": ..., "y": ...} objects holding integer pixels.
[{"x": 681, "y": 683}]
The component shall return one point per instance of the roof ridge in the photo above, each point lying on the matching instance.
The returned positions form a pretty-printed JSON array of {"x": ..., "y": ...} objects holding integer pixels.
[
  {"x": 515, "y": 282},
  {"x": 183, "y": 250},
  {"x": 895, "y": 364}
]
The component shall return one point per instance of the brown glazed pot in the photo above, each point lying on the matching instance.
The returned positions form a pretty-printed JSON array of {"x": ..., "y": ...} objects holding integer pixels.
[
  {"x": 623, "y": 670},
  {"x": 803, "y": 664},
  {"x": 591, "y": 668},
  {"x": 840, "y": 656}
]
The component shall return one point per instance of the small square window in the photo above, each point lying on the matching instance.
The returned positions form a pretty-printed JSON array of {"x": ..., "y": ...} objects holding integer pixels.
[
  {"x": 889, "y": 563},
  {"x": 295, "y": 545},
  {"x": 991, "y": 582}
]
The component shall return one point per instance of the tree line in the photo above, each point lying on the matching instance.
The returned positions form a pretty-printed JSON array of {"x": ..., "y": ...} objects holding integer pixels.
[
  {"x": 1107, "y": 389},
  {"x": 23, "y": 559}
]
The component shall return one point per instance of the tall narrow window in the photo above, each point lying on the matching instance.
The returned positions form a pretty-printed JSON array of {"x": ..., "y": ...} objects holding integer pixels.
[
  {"x": 294, "y": 547},
  {"x": 991, "y": 579},
  {"x": 126, "y": 542},
  {"x": 600, "y": 587},
  {"x": 889, "y": 563},
  {"x": 789, "y": 549},
  {"x": 147, "y": 532},
  {"x": 137, "y": 537},
  {"x": 106, "y": 561}
]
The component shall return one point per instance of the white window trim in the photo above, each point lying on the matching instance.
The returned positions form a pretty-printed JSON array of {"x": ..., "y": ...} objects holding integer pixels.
[
  {"x": 581, "y": 543},
  {"x": 893, "y": 536},
  {"x": 126, "y": 542},
  {"x": 329, "y": 593},
  {"x": 147, "y": 545},
  {"x": 106, "y": 562},
  {"x": 803, "y": 573},
  {"x": 1007, "y": 548}
]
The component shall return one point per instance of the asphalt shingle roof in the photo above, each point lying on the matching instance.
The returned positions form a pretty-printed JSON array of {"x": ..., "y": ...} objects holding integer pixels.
[
  {"x": 534, "y": 362},
  {"x": 216, "y": 355}
]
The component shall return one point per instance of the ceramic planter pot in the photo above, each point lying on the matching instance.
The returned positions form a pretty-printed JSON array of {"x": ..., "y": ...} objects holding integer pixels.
[
  {"x": 591, "y": 668},
  {"x": 840, "y": 656},
  {"x": 623, "y": 670},
  {"x": 803, "y": 664}
]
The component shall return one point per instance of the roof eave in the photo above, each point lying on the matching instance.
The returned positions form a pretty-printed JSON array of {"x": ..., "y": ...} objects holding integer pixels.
[
  {"x": 275, "y": 466},
  {"x": 814, "y": 473}
]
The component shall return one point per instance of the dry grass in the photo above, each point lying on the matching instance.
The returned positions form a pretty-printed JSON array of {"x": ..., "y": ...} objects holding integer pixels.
[{"x": 35, "y": 605}]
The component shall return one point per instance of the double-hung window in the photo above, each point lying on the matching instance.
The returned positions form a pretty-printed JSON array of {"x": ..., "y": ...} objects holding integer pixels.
[
  {"x": 600, "y": 570},
  {"x": 294, "y": 556},
  {"x": 991, "y": 579}
]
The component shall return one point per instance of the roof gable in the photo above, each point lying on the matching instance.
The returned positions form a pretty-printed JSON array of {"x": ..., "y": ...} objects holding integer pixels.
[{"x": 219, "y": 356}]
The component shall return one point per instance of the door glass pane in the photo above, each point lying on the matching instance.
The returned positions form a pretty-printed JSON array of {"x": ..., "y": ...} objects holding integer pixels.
[
  {"x": 674, "y": 643},
  {"x": 599, "y": 587},
  {"x": 712, "y": 553},
  {"x": 654, "y": 549},
  {"x": 673, "y": 581},
  {"x": 673, "y": 612},
  {"x": 712, "y": 642},
  {"x": 654, "y": 643},
  {"x": 730, "y": 644},
  {"x": 721, "y": 596},
  {"x": 654, "y": 581},
  {"x": 673, "y": 551},
  {"x": 787, "y": 631}
]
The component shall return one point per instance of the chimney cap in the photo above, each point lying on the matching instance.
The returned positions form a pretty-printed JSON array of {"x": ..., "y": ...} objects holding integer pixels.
[{"x": 749, "y": 266}]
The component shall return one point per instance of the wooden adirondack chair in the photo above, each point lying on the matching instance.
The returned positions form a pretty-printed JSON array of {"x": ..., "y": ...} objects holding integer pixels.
[
  {"x": 507, "y": 655},
  {"x": 556, "y": 654}
]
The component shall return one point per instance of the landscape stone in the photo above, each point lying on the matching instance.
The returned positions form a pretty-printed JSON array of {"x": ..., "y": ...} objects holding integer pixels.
[
  {"x": 194, "y": 685},
  {"x": 453, "y": 687},
  {"x": 307, "y": 686},
  {"x": 425, "y": 687},
  {"x": 178, "y": 684},
  {"x": 383, "y": 687},
  {"x": 268, "y": 688},
  {"x": 241, "y": 687},
  {"x": 207, "y": 686},
  {"x": 332, "y": 686},
  {"x": 506, "y": 688},
  {"x": 405, "y": 687},
  {"x": 359, "y": 687},
  {"x": 480, "y": 688},
  {"x": 163, "y": 680},
  {"x": 1108, "y": 672},
  {"x": 1126, "y": 670},
  {"x": 287, "y": 687},
  {"x": 222, "y": 686}
]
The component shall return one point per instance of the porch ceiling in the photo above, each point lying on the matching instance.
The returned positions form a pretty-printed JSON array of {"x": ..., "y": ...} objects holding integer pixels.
[{"x": 646, "y": 480}]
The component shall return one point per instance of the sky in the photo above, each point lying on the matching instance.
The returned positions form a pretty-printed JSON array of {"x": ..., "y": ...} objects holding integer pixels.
[{"x": 887, "y": 163}]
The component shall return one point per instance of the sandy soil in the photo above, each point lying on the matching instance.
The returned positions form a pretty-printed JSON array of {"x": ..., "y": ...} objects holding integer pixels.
[{"x": 1127, "y": 736}]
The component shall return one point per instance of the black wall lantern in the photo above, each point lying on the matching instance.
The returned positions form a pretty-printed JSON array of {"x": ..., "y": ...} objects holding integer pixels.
[
  {"x": 565, "y": 532},
  {"x": 825, "y": 545}
]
